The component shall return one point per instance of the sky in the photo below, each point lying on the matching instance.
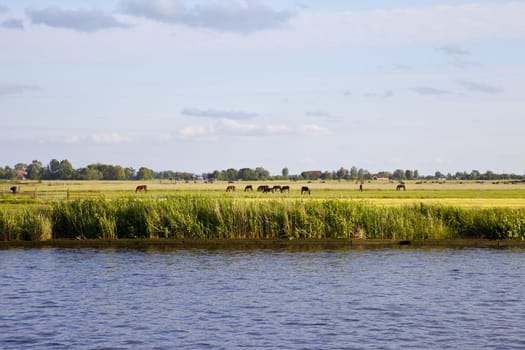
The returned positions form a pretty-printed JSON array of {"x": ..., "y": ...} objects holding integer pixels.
[{"x": 300, "y": 84}]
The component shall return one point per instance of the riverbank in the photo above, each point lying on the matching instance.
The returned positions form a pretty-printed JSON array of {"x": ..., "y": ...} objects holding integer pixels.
[{"x": 160, "y": 244}]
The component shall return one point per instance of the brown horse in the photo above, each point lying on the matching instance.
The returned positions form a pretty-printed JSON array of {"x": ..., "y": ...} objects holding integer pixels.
[
  {"x": 305, "y": 189},
  {"x": 285, "y": 189},
  {"x": 248, "y": 188},
  {"x": 141, "y": 188},
  {"x": 230, "y": 188},
  {"x": 401, "y": 187},
  {"x": 276, "y": 188}
]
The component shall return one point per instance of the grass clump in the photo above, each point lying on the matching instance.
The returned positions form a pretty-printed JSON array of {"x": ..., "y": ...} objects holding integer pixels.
[{"x": 216, "y": 217}]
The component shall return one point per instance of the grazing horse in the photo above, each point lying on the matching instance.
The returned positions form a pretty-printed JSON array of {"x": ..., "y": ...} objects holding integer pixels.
[
  {"x": 285, "y": 189},
  {"x": 276, "y": 188},
  {"x": 267, "y": 189},
  {"x": 305, "y": 189},
  {"x": 401, "y": 187},
  {"x": 230, "y": 188},
  {"x": 262, "y": 188},
  {"x": 248, "y": 188},
  {"x": 14, "y": 189},
  {"x": 141, "y": 188}
]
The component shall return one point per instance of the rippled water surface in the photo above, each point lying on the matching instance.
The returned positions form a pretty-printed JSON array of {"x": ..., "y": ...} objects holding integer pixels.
[{"x": 257, "y": 299}]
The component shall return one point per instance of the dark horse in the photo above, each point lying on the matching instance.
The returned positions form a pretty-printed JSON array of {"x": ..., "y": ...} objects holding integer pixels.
[
  {"x": 401, "y": 187},
  {"x": 14, "y": 189},
  {"x": 262, "y": 188},
  {"x": 305, "y": 189},
  {"x": 285, "y": 189},
  {"x": 230, "y": 188},
  {"x": 248, "y": 188},
  {"x": 141, "y": 188}
]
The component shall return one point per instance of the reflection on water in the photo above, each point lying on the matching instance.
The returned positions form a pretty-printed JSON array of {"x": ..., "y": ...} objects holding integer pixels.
[{"x": 228, "y": 299}]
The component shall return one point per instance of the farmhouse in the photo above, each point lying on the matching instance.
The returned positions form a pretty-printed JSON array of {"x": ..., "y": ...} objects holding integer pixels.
[{"x": 380, "y": 177}]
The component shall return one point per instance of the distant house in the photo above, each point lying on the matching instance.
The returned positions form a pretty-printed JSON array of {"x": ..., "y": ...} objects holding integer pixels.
[
  {"x": 380, "y": 177},
  {"x": 311, "y": 174},
  {"x": 20, "y": 174}
]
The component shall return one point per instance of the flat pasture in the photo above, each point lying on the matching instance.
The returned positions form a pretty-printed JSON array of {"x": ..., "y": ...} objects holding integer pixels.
[{"x": 455, "y": 193}]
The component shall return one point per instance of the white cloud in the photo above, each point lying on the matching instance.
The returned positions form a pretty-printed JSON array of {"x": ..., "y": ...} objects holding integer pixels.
[
  {"x": 213, "y": 113},
  {"x": 313, "y": 130},
  {"x": 436, "y": 26},
  {"x": 229, "y": 16},
  {"x": 111, "y": 138},
  {"x": 479, "y": 87},
  {"x": 234, "y": 128},
  {"x": 79, "y": 20},
  {"x": 72, "y": 139},
  {"x": 196, "y": 132}
]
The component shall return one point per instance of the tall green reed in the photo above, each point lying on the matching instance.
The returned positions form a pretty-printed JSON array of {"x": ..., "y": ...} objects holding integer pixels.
[{"x": 213, "y": 217}]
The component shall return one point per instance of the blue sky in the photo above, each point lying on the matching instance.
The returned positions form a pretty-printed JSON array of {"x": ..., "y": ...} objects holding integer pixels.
[{"x": 204, "y": 85}]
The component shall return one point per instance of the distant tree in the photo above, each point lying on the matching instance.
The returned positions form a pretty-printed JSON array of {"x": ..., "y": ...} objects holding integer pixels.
[
  {"x": 230, "y": 174},
  {"x": 129, "y": 173},
  {"x": 285, "y": 173},
  {"x": 489, "y": 175},
  {"x": 246, "y": 174},
  {"x": 354, "y": 175},
  {"x": 327, "y": 175},
  {"x": 166, "y": 174},
  {"x": 416, "y": 174},
  {"x": 217, "y": 175},
  {"x": 343, "y": 173},
  {"x": 118, "y": 173},
  {"x": 475, "y": 175},
  {"x": 145, "y": 174},
  {"x": 89, "y": 173},
  {"x": 66, "y": 170},
  {"x": 262, "y": 174},
  {"x": 52, "y": 170},
  {"x": 399, "y": 174},
  {"x": 438, "y": 174},
  {"x": 363, "y": 174},
  {"x": 34, "y": 170},
  {"x": 9, "y": 173}
]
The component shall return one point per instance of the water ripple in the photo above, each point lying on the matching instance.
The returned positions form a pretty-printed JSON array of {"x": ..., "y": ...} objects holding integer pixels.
[{"x": 267, "y": 299}]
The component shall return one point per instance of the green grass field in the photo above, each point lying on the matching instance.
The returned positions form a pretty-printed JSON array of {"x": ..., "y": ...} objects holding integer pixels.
[
  {"x": 466, "y": 194},
  {"x": 333, "y": 210}
]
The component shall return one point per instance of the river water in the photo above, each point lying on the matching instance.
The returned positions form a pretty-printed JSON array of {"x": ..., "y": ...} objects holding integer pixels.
[{"x": 386, "y": 298}]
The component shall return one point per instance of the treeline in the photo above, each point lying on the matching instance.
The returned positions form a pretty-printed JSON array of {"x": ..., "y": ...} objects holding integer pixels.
[{"x": 64, "y": 170}]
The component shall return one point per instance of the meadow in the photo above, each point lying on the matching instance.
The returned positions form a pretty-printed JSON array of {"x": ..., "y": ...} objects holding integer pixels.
[{"x": 198, "y": 210}]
